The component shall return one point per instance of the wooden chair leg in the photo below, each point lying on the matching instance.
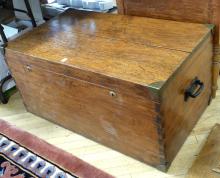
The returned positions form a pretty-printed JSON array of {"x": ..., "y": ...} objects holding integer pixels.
[{"x": 216, "y": 70}]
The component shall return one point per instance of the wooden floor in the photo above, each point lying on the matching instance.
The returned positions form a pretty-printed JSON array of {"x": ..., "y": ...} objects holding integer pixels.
[{"x": 104, "y": 158}]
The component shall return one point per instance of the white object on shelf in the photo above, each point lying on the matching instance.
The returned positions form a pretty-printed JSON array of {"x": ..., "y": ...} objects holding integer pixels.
[
  {"x": 63, "y": 2},
  {"x": 98, "y": 4},
  {"x": 90, "y": 4},
  {"x": 75, "y": 3},
  {"x": 105, "y": 5},
  {"x": 53, "y": 9},
  {"x": 93, "y": 5}
]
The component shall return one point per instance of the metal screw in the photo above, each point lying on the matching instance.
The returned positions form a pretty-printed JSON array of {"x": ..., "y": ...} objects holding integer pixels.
[{"x": 112, "y": 93}]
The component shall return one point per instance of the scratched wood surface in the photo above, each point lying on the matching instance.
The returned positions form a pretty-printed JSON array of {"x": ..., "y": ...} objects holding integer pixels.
[
  {"x": 85, "y": 48},
  {"x": 179, "y": 117},
  {"x": 132, "y": 47},
  {"x": 93, "y": 113},
  {"x": 199, "y": 11},
  {"x": 104, "y": 158}
]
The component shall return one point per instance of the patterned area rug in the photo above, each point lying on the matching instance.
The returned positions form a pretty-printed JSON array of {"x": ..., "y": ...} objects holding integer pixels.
[{"x": 23, "y": 155}]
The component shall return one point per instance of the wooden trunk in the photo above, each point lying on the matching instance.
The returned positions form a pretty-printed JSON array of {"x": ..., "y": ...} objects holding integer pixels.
[
  {"x": 119, "y": 80},
  {"x": 198, "y": 11}
]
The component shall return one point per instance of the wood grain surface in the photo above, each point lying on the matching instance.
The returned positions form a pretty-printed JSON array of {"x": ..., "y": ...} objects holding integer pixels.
[
  {"x": 122, "y": 47},
  {"x": 178, "y": 116},
  {"x": 90, "y": 110},
  {"x": 209, "y": 157},
  {"x": 106, "y": 159},
  {"x": 199, "y": 11},
  {"x": 114, "y": 79}
]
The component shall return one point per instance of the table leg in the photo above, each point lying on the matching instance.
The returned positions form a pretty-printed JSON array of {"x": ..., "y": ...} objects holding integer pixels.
[{"x": 216, "y": 69}]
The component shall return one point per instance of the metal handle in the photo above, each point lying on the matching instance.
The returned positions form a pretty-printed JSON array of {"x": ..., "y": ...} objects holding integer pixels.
[{"x": 194, "y": 90}]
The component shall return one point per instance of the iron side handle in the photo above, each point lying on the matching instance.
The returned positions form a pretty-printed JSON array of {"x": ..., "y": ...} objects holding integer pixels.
[{"x": 194, "y": 90}]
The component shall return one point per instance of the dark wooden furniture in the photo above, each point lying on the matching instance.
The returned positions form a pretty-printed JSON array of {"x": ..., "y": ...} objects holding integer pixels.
[
  {"x": 120, "y": 80},
  {"x": 198, "y": 11}
]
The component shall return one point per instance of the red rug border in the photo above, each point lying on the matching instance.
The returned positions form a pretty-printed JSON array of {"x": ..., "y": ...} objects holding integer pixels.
[
  {"x": 29, "y": 150},
  {"x": 53, "y": 154}
]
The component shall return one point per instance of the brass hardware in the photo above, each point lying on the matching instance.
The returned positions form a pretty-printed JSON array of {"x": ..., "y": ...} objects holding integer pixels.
[
  {"x": 29, "y": 69},
  {"x": 112, "y": 93}
]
